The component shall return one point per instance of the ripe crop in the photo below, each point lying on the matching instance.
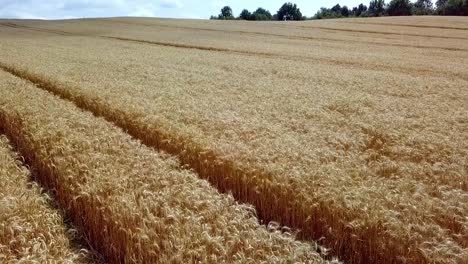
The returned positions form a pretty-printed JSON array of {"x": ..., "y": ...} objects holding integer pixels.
[
  {"x": 131, "y": 203},
  {"x": 30, "y": 230},
  {"x": 351, "y": 131}
]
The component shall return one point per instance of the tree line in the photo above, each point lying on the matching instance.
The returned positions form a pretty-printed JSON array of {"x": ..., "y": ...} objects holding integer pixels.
[
  {"x": 397, "y": 8},
  {"x": 290, "y": 11}
]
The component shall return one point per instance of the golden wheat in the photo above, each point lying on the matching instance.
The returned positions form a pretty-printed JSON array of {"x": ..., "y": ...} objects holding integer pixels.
[
  {"x": 30, "y": 230},
  {"x": 133, "y": 204},
  {"x": 354, "y": 136}
]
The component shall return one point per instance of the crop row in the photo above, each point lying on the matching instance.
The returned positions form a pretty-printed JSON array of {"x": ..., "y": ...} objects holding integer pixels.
[
  {"x": 132, "y": 203},
  {"x": 30, "y": 229}
]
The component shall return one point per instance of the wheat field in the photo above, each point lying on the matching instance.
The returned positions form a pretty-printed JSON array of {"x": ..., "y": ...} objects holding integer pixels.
[
  {"x": 227, "y": 141},
  {"x": 30, "y": 230}
]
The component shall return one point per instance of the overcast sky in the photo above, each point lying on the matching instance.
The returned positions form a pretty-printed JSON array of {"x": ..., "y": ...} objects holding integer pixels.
[{"x": 58, "y": 9}]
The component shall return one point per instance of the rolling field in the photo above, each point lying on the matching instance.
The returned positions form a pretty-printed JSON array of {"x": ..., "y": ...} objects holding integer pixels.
[{"x": 228, "y": 141}]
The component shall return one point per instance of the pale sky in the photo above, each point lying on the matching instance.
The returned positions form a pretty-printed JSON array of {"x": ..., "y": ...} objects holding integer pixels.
[{"x": 59, "y": 9}]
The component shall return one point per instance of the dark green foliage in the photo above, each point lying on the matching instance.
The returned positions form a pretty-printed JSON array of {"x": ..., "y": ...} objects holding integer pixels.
[
  {"x": 423, "y": 7},
  {"x": 336, "y": 8},
  {"x": 337, "y": 11},
  {"x": 358, "y": 10},
  {"x": 345, "y": 11},
  {"x": 324, "y": 13},
  {"x": 361, "y": 9},
  {"x": 376, "y": 8},
  {"x": 245, "y": 15},
  {"x": 261, "y": 14},
  {"x": 441, "y": 3},
  {"x": 452, "y": 7},
  {"x": 334, "y": 12},
  {"x": 226, "y": 13},
  {"x": 289, "y": 11},
  {"x": 399, "y": 8}
]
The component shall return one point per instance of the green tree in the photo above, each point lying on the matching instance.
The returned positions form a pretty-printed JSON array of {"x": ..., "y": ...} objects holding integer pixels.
[
  {"x": 226, "y": 13},
  {"x": 376, "y": 7},
  {"x": 245, "y": 15},
  {"x": 362, "y": 8},
  {"x": 345, "y": 11},
  {"x": 423, "y": 7},
  {"x": 441, "y": 3},
  {"x": 357, "y": 11},
  {"x": 289, "y": 11},
  {"x": 455, "y": 8},
  {"x": 336, "y": 8},
  {"x": 399, "y": 8},
  {"x": 324, "y": 13},
  {"x": 261, "y": 14}
]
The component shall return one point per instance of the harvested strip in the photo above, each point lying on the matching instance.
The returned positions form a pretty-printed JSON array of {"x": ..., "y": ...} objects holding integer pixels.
[
  {"x": 134, "y": 204},
  {"x": 30, "y": 230}
]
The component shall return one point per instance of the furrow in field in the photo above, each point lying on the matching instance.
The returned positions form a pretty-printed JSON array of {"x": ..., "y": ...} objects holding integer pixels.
[
  {"x": 294, "y": 37},
  {"x": 43, "y": 30},
  {"x": 367, "y": 66},
  {"x": 31, "y": 231},
  {"x": 392, "y": 232},
  {"x": 187, "y": 46},
  {"x": 408, "y": 46},
  {"x": 380, "y": 32},
  {"x": 132, "y": 203},
  {"x": 402, "y": 25},
  {"x": 246, "y": 186}
]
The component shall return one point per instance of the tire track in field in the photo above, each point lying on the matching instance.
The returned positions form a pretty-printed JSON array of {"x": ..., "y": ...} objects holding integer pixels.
[
  {"x": 44, "y": 30},
  {"x": 303, "y": 38},
  {"x": 42, "y": 82},
  {"x": 333, "y": 62},
  {"x": 400, "y": 25},
  {"x": 170, "y": 144},
  {"x": 245, "y": 186},
  {"x": 294, "y": 37},
  {"x": 380, "y": 32},
  {"x": 268, "y": 55}
]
